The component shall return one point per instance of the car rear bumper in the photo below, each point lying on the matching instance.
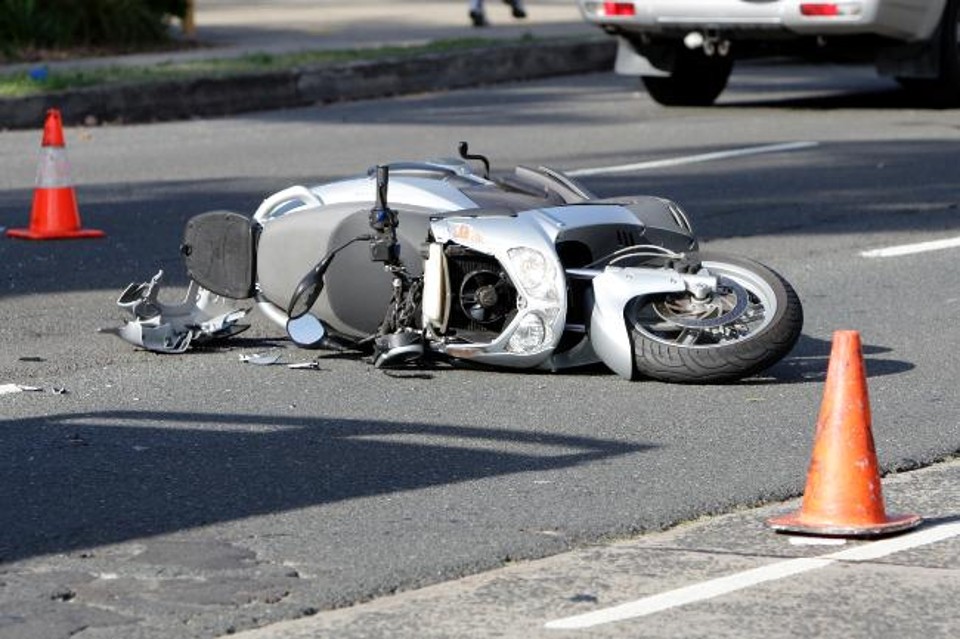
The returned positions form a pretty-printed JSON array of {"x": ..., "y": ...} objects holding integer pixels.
[{"x": 906, "y": 21}]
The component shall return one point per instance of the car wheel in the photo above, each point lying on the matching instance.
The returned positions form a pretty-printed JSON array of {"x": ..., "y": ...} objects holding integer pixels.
[{"x": 696, "y": 79}]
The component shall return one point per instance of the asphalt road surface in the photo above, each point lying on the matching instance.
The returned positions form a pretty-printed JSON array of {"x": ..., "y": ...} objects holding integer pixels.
[{"x": 195, "y": 496}]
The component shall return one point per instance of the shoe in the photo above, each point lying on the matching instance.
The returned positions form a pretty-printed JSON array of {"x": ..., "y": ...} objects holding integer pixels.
[
  {"x": 478, "y": 18},
  {"x": 516, "y": 8}
]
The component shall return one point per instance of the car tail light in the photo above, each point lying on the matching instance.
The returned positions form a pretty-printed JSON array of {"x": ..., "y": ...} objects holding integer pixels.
[
  {"x": 619, "y": 9},
  {"x": 830, "y": 9}
]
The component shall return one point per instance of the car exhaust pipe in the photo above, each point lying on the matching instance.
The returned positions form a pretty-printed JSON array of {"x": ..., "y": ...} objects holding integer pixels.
[{"x": 710, "y": 43}]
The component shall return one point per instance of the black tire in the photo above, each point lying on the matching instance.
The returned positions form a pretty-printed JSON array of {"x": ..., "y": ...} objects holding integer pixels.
[
  {"x": 943, "y": 90},
  {"x": 696, "y": 79},
  {"x": 740, "y": 342}
]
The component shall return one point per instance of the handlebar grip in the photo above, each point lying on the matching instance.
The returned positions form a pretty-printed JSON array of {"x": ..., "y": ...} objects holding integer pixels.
[{"x": 383, "y": 181}]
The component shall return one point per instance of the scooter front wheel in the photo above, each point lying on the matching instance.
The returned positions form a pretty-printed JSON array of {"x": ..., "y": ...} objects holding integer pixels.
[{"x": 751, "y": 322}]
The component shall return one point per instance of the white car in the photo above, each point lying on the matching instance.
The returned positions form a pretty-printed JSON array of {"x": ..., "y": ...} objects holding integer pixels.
[{"x": 684, "y": 50}]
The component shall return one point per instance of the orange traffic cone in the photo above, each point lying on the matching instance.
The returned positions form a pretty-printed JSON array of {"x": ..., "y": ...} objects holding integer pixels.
[
  {"x": 843, "y": 496},
  {"x": 54, "y": 214}
]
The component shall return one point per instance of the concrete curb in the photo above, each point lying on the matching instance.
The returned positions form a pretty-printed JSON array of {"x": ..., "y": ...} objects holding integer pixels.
[{"x": 210, "y": 96}]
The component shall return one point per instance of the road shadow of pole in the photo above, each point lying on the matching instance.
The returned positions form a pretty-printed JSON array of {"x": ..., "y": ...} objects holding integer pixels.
[{"x": 87, "y": 479}]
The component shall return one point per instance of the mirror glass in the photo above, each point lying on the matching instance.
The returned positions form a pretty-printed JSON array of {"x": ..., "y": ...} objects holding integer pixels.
[
  {"x": 306, "y": 331},
  {"x": 308, "y": 290}
]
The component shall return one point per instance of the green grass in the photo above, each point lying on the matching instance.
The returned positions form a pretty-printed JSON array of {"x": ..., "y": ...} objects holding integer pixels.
[{"x": 60, "y": 79}]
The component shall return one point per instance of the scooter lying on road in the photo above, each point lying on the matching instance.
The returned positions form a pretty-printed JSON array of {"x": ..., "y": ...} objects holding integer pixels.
[{"x": 419, "y": 261}]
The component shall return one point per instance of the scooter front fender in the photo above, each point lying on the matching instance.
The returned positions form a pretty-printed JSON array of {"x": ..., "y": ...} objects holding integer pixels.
[{"x": 612, "y": 291}]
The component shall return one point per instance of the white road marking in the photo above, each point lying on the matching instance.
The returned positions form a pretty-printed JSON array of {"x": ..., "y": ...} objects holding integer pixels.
[
  {"x": 693, "y": 159},
  {"x": 910, "y": 249},
  {"x": 817, "y": 541},
  {"x": 742, "y": 580}
]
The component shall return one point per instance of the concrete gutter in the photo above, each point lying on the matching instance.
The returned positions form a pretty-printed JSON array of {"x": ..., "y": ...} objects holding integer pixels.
[{"x": 357, "y": 80}]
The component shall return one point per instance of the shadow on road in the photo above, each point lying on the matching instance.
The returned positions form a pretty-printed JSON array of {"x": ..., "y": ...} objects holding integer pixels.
[
  {"x": 79, "y": 480},
  {"x": 808, "y": 361},
  {"x": 880, "y": 99},
  {"x": 144, "y": 226},
  {"x": 831, "y": 189}
]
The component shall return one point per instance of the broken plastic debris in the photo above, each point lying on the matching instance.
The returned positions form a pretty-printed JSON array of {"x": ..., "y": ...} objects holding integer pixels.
[
  {"x": 165, "y": 339},
  {"x": 223, "y": 322},
  {"x": 261, "y": 359},
  {"x": 305, "y": 366},
  {"x": 6, "y": 389},
  {"x": 173, "y": 328}
]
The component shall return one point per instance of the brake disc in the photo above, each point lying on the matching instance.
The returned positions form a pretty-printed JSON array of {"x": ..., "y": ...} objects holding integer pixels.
[{"x": 726, "y": 305}]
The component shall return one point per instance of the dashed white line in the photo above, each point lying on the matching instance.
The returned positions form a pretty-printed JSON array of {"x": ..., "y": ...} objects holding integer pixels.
[
  {"x": 739, "y": 581},
  {"x": 910, "y": 249},
  {"x": 693, "y": 159}
]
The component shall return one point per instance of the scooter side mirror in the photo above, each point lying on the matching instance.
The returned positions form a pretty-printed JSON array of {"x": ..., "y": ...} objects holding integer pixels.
[
  {"x": 308, "y": 290},
  {"x": 306, "y": 331}
]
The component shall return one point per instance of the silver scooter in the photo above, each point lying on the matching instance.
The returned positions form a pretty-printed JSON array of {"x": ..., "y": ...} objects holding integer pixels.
[{"x": 418, "y": 261}]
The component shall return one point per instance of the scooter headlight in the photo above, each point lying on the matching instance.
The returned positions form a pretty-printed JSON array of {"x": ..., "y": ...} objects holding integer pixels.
[
  {"x": 535, "y": 274},
  {"x": 530, "y": 335}
]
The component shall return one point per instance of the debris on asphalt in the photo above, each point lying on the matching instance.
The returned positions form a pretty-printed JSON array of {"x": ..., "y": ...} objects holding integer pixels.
[
  {"x": 202, "y": 316},
  {"x": 583, "y": 597},
  {"x": 261, "y": 359},
  {"x": 313, "y": 366},
  {"x": 75, "y": 439},
  {"x": 7, "y": 389}
]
